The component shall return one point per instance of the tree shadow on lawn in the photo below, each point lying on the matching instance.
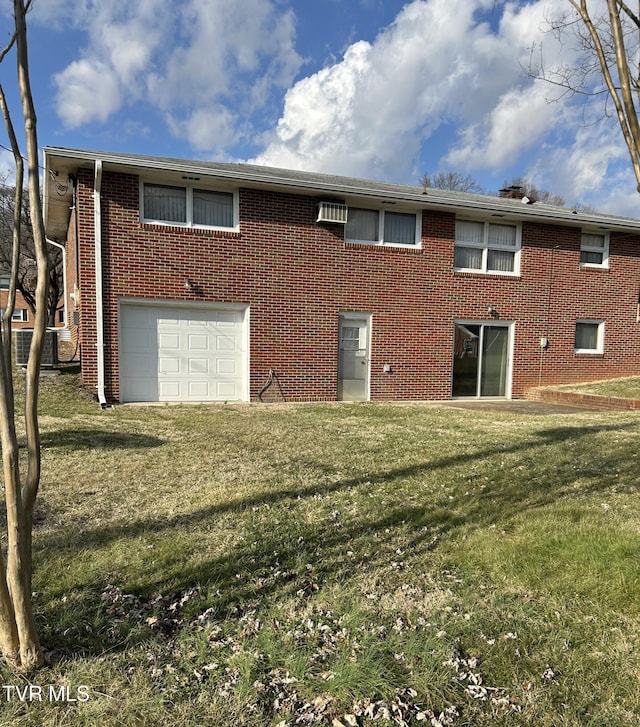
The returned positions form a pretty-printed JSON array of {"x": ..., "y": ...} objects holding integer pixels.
[
  {"x": 298, "y": 558},
  {"x": 71, "y": 439},
  {"x": 78, "y": 439}
]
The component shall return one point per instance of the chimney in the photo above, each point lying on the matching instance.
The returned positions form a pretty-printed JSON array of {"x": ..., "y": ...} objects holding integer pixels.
[{"x": 515, "y": 191}]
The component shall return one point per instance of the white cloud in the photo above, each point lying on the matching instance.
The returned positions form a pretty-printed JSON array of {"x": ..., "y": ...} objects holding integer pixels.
[
  {"x": 588, "y": 164},
  {"x": 49, "y": 13},
  {"x": 232, "y": 58},
  {"x": 208, "y": 130},
  {"x": 621, "y": 197},
  {"x": 184, "y": 59},
  {"x": 218, "y": 74},
  {"x": 319, "y": 113},
  {"x": 370, "y": 113},
  {"x": 520, "y": 117},
  {"x": 122, "y": 40},
  {"x": 90, "y": 93},
  {"x": 7, "y": 167},
  {"x": 590, "y": 159}
]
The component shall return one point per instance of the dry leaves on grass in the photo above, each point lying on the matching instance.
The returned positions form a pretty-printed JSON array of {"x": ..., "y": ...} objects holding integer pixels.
[
  {"x": 468, "y": 672},
  {"x": 323, "y": 636}
]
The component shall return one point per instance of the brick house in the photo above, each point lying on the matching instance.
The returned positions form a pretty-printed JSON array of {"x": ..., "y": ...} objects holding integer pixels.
[
  {"x": 196, "y": 281},
  {"x": 22, "y": 315}
]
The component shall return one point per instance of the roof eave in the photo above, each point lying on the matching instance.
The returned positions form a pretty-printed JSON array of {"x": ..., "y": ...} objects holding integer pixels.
[{"x": 432, "y": 199}]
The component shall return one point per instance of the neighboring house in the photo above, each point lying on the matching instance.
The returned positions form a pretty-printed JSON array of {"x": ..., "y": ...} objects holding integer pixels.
[
  {"x": 195, "y": 281},
  {"x": 22, "y": 315}
]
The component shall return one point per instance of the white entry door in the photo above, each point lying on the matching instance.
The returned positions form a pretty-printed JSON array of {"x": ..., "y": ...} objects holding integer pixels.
[
  {"x": 182, "y": 353},
  {"x": 353, "y": 363}
]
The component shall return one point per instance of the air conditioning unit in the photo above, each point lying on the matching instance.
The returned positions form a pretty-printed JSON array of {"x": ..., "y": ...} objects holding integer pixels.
[
  {"x": 23, "y": 338},
  {"x": 332, "y": 212}
]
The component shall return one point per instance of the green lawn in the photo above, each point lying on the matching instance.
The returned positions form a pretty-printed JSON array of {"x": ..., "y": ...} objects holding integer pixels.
[
  {"x": 354, "y": 564},
  {"x": 625, "y": 388}
]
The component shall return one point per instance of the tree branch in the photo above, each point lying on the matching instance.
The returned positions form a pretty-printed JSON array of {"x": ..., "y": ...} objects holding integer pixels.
[
  {"x": 620, "y": 96},
  {"x": 628, "y": 12}
]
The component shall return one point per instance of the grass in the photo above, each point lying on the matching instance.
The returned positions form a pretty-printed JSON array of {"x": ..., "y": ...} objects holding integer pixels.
[
  {"x": 625, "y": 388},
  {"x": 365, "y": 563}
]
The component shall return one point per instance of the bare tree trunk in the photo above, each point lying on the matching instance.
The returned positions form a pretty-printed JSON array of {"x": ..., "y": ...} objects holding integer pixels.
[
  {"x": 15, "y": 247},
  {"x": 18, "y": 635},
  {"x": 9, "y": 637},
  {"x": 19, "y": 565}
]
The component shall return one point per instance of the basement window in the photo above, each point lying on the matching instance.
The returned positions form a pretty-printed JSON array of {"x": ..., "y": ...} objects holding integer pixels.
[
  {"x": 589, "y": 337},
  {"x": 189, "y": 206}
]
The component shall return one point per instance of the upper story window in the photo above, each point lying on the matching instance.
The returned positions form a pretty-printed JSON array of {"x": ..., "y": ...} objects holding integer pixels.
[
  {"x": 487, "y": 247},
  {"x": 594, "y": 250},
  {"x": 189, "y": 206},
  {"x": 382, "y": 227}
]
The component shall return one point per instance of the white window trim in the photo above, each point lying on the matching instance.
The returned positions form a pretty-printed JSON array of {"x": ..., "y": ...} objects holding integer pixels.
[
  {"x": 486, "y": 247},
  {"x": 19, "y": 315},
  {"x": 380, "y": 242},
  {"x": 592, "y": 248},
  {"x": 189, "y": 223},
  {"x": 599, "y": 349}
]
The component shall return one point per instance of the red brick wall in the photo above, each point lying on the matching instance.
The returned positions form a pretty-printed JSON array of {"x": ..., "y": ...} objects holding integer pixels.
[
  {"x": 20, "y": 304},
  {"x": 296, "y": 276}
]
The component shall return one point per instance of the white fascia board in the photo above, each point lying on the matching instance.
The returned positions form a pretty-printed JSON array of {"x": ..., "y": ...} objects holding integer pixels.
[{"x": 433, "y": 199}]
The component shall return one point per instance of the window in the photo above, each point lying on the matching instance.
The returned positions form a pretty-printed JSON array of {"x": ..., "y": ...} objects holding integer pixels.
[
  {"x": 5, "y": 277},
  {"x": 188, "y": 206},
  {"x": 20, "y": 315},
  {"x": 589, "y": 337},
  {"x": 382, "y": 227},
  {"x": 487, "y": 247},
  {"x": 594, "y": 250}
]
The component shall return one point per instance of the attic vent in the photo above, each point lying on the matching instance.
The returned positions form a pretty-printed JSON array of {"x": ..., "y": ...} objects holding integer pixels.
[{"x": 332, "y": 212}]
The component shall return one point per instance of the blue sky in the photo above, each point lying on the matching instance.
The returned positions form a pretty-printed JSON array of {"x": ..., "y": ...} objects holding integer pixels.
[{"x": 381, "y": 89}]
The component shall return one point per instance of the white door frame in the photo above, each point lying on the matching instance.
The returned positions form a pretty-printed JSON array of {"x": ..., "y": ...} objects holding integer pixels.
[
  {"x": 510, "y": 326},
  {"x": 345, "y": 317}
]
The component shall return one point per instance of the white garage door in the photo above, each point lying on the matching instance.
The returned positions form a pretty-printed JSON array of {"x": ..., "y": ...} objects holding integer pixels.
[{"x": 181, "y": 353}]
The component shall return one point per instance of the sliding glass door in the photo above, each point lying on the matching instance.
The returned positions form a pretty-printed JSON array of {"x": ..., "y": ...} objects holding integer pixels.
[{"x": 481, "y": 359}]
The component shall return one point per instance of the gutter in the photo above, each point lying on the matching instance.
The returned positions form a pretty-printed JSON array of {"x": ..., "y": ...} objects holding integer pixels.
[
  {"x": 97, "y": 224},
  {"x": 301, "y": 182}
]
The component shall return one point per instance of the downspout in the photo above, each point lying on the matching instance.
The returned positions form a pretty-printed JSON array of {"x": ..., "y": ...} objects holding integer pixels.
[
  {"x": 76, "y": 250},
  {"x": 75, "y": 295},
  {"x": 97, "y": 224}
]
